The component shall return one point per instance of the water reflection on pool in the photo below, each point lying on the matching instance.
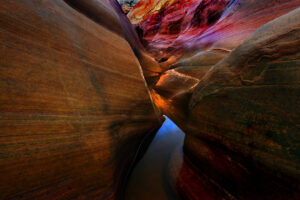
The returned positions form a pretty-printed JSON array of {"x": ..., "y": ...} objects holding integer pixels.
[{"x": 150, "y": 178}]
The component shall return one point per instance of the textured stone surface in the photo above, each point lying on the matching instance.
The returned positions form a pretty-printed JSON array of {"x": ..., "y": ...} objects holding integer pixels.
[
  {"x": 202, "y": 59},
  {"x": 127, "y": 5},
  {"x": 185, "y": 74},
  {"x": 242, "y": 120},
  {"x": 100, "y": 11},
  {"x": 73, "y": 103},
  {"x": 171, "y": 27},
  {"x": 259, "y": 81}
]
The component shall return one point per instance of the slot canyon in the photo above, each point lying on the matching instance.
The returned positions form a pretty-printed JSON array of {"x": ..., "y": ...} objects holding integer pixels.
[{"x": 150, "y": 99}]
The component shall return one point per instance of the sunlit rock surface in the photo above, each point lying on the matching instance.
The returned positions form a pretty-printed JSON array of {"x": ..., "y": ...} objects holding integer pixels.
[
  {"x": 127, "y": 5},
  {"x": 73, "y": 103},
  {"x": 171, "y": 27}
]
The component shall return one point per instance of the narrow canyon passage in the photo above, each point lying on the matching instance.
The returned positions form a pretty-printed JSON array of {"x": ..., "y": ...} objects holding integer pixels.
[
  {"x": 85, "y": 85},
  {"x": 150, "y": 178}
]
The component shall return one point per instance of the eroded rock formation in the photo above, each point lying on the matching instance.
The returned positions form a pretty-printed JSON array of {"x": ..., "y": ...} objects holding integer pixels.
[
  {"x": 74, "y": 106},
  {"x": 127, "y": 5},
  {"x": 78, "y": 82},
  {"x": 241, "y": 119},
  {"x": 171, "y": 27}
]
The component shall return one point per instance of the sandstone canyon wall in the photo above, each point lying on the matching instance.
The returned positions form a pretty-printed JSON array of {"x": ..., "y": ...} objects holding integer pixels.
[
  {"x": 240, "y": 112},
  {"x": 170, "y": 27},
  {"x": 74, "y": 105},
  {"x": 77, "y": 81}
]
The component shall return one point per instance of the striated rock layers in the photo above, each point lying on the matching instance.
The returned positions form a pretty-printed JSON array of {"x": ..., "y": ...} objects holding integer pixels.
[
  {"x": 127, "y": 5},
  {"x": 241, "y": 116},
  {"x": 168, "y": 27},
  {"x": 74, "y": 105}
]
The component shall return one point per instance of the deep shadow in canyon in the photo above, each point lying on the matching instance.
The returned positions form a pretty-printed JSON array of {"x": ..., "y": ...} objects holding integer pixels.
[{"x": 150, "y": 178}]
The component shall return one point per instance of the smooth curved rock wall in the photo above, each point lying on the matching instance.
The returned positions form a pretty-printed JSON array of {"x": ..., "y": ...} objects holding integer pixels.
[{"x": 74, "y": 105}]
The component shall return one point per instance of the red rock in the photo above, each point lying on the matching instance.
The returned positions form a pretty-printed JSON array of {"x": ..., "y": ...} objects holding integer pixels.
[
  {"x": 74, "y": 105},
  {"x": 177, "y": 27}
]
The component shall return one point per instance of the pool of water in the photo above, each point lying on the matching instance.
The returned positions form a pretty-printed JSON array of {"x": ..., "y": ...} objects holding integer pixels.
[{"x": 150, "y": 178}]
